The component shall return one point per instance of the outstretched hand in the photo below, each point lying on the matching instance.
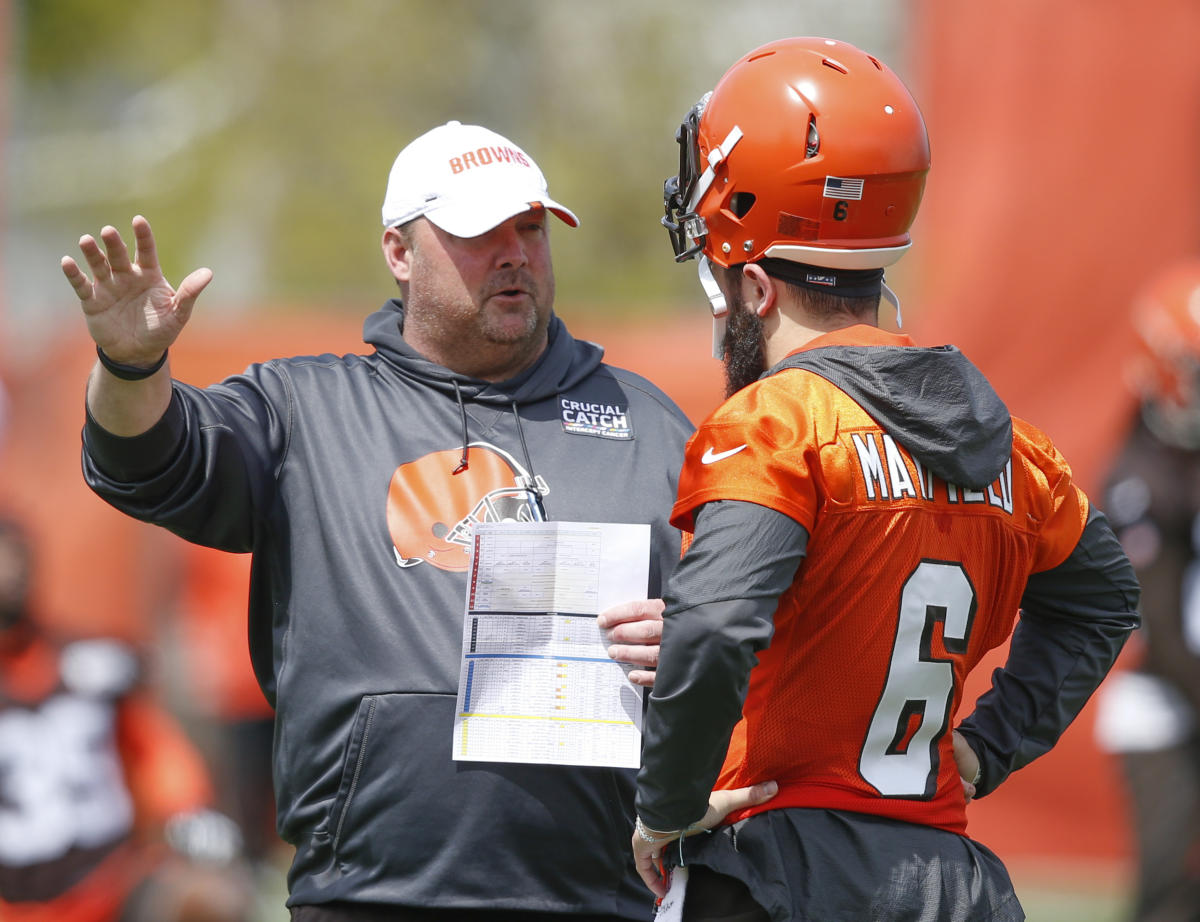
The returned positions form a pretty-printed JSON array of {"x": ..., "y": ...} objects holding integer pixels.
[
  {"x": 132, "y": 312},
  {"x": 647, "y": 856}
]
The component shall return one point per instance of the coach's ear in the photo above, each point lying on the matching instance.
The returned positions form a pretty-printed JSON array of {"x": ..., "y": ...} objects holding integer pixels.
[
  {"x": 760, "y": 292},
  {"x": 397, "y": 252}
]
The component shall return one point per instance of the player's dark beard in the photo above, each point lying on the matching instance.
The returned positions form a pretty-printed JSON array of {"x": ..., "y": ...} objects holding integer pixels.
[{"x": 745, "y": 350}]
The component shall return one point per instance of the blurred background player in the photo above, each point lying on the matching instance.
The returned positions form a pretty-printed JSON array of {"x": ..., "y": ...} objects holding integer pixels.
[
  {"x": 1148, "y": 714},
  {"x": 103, "y": 800},
  {"x": 225, "y": 710}
]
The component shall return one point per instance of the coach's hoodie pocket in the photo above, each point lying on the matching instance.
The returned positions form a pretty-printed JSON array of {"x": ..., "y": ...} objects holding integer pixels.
[
  {"x": 398, "y": 775},
  {"x": 352, "y": 766}
]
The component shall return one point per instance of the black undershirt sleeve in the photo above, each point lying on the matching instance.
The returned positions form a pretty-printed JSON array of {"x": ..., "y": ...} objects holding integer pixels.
[
  {"x": 1075, "y": 618},
  {"x": 720, "y": 606}
]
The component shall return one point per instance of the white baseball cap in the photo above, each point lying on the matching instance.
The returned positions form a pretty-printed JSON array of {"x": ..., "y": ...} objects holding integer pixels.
[{"x": 466, "y": 179}]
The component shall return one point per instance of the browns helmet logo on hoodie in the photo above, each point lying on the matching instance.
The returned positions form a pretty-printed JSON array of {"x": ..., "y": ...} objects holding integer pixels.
[{"x": 430, "y": 508}]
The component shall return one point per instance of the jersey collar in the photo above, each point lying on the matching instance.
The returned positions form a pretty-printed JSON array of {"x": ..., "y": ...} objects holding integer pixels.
[{"x": 860, "y": 334}]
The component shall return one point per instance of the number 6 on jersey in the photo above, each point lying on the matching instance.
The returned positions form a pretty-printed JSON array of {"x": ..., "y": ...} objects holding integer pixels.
[{"x": 897, "y": 760}]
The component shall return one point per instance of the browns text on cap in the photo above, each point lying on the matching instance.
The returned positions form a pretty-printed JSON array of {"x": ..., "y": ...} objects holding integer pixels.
[{"x": 466, "y": 179}]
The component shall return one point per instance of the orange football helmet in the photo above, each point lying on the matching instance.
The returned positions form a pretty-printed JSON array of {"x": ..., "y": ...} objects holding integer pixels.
[
  {"x": 430, "y": 507},
  {"x": 1165, "y": 371},
  {"x": 807, "y": 149}
]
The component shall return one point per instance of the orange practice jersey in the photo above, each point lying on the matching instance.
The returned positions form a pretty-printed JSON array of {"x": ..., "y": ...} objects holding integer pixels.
[
  {"x": 90, "y": 768},
  {"x": 907, "y": 583}
]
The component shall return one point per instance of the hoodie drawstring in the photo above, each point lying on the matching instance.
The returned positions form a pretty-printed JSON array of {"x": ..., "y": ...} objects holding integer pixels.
[
  {"x": 462, "y": 411},
  {"x": 539, "y": 508},
  {"x": 536, "y": 505}
]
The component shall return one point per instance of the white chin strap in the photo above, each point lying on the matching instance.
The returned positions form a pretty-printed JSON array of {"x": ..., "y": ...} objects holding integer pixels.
[
  {"x": 890, "y": 297},
  {"x": 719, "y": 309},
  {"x": 715, "y": 156}
]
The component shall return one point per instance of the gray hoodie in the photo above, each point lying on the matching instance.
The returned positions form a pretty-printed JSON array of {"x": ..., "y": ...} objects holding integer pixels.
[{"x": 338, "y": 473}]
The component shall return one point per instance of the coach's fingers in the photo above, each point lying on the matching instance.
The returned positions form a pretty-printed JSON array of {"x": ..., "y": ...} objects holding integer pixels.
[
  {"x": 632, "y": 611},
  {"x": 185, "y": 297},
  {"x": 637, "y": 633},
  {"x": 146, "y": 253},
  {"x": 638, "y": 660},
  {"x": 633, "y": 625},
  {"x": 637, "y": 644},
  {"x": 96, "y": 259},
  {"x": 634, "y": 631},
  {"x": 190, "y": 287},
  {"x": 641, "y": 677},
  {"x": 114, "y": 246},
  {"x": 644, "y": 655},
  {"x": 81, "y": 284}
]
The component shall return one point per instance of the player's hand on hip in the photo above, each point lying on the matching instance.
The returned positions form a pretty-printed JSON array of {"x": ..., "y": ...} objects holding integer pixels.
[
  {"x": 967, "y": 763},
  {"x": 634, "y": 631},
  {"x": 649, "y": 844},
  {"x": 723, "y": 803},
  {"x": 132, "y": 312}
]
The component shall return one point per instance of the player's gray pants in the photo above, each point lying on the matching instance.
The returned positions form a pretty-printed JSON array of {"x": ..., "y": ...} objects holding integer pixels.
[{"x": 807, "y": 865}]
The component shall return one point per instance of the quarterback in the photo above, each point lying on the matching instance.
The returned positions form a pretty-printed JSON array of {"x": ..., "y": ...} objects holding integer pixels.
[{"x": 866, "y": 522}]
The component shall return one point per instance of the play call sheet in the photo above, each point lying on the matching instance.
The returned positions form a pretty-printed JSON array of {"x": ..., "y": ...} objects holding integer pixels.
[{"x": 535, "y": 682}]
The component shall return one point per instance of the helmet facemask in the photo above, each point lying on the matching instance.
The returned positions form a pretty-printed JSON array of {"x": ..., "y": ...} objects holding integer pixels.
[
  {"x": 683, "y": 192},
  {"x": 685, "y": 227}
]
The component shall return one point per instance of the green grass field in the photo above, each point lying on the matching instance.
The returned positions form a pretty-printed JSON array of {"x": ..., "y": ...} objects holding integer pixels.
[{"x": 1058, "y": 891}]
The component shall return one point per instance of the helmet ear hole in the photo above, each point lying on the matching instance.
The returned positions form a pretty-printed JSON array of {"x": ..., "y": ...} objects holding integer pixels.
[
  {"x": 741, "y": 203},
  {"x": 813, "y": 145}
]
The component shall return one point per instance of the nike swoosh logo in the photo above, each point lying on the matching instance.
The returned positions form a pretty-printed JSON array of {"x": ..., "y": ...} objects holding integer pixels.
[{"x": 712, "y": 457}]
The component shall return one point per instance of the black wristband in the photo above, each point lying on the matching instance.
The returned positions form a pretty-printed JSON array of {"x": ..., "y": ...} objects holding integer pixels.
[{"x": 129, "y": 372}]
